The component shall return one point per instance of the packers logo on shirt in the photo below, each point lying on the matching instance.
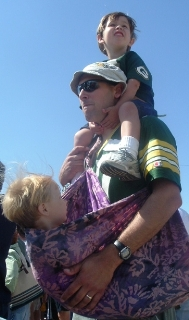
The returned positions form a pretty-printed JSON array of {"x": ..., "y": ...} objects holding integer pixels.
[{"x": 143, "y": 72}]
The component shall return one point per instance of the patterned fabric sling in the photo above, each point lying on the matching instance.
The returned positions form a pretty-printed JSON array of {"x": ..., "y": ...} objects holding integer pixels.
[{"x": 152, "y": 280}]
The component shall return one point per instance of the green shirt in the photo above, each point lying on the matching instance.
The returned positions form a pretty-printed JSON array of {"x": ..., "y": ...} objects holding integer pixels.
[
  {"x": 134, "y": 68},
  {"x": 157, "y": 159}
]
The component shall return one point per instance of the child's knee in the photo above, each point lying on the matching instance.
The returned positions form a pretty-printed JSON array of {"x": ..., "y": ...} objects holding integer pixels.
[
  {"x": 128, "y": 108},
  {"x": 78, "y": 138},
  {"x": 82, "y": 137}
]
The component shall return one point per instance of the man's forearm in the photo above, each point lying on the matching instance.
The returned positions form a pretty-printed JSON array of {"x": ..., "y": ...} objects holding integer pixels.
[
  {"x": 95, "y": 273},
  {"x": 150, "y": 219},
  {"x": 153, "y": 215}
]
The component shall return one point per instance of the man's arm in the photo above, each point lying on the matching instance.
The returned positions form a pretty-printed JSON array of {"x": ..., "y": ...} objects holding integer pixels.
[
  {"x": 156, "y": 211},
  {"x": 73, "y": 164},
  {"x": 96, "y": 271}
]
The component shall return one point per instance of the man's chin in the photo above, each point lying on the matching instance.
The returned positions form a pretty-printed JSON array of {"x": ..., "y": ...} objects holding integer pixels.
[{"x": 91, "y": 117}]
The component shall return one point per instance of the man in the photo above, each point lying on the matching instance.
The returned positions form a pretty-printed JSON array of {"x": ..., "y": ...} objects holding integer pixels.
[
  {"x": 160, "y": 174},
  {"x": 6, "y": 233}
]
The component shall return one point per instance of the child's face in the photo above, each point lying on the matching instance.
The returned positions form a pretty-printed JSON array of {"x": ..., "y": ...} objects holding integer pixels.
[
  {"x": 57, "y": 207},
  {"x": 117, "y": 34}
]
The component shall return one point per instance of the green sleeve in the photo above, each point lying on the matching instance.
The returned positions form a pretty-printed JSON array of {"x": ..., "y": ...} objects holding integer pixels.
[{"x": 158, "y": 152}]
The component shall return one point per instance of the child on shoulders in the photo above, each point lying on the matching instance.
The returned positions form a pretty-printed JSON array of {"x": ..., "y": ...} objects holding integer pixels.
[{"x": 116, "y": 34}]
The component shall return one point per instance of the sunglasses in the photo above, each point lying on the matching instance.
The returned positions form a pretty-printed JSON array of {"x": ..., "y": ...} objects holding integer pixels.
[{"x": 92, "y": 85}]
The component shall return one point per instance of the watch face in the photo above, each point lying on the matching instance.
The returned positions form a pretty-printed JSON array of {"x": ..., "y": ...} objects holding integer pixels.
[{"x": 125, "y": 253}]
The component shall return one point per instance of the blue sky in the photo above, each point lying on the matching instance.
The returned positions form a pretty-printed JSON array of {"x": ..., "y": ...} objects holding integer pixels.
[{"x": 43, "y": 42}]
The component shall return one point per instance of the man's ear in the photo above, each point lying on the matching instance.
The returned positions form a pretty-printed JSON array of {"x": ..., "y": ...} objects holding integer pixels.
[
  {"x": 43, "y": 209},
  {"x": 118, "y": 89}
]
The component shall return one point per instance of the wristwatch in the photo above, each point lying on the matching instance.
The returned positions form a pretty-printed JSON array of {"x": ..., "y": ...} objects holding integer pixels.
[{"x": 124, "y": 251}]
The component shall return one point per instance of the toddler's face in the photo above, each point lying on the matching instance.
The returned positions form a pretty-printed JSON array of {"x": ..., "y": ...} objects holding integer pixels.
[{"x": 57, "y": 205}]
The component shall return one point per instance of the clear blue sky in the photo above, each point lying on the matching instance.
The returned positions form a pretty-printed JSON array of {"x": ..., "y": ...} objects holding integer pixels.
[{"x": 43, "y": 42}]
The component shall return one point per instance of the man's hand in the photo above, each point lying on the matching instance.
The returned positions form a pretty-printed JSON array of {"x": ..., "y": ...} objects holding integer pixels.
[
  {"x": 73, "y": 164},
  {"x": 93, "y": 276},
  {"x": 112, "y": 118},
  {"x": 96, "y": 128}
]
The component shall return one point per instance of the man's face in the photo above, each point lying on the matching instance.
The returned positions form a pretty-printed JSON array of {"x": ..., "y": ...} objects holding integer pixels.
[{"x": 94, "y": 102}]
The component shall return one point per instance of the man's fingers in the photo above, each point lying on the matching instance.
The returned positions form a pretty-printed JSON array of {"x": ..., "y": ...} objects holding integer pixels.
[
  {"x": 69, "y": 292},
  {"x": 77, "y": 150},
  {"x": 89, "y": 301},
  {"x": 84, "y": 300},
  {"x": 74, "y": 287},
  {"x": 95, "y": 299},
  {"x": 73, "y": 164},
  {"x": 104, "y": 122},
  {"x": 107, "y": 110},
  {"x": 79, "y": 300}
]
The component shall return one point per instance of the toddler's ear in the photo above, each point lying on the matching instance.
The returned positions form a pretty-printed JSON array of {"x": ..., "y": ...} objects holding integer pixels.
[{"x": 42, "y": 209}]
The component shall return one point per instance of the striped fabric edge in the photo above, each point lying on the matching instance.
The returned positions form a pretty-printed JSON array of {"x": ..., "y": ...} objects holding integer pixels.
[{"x": 26, "y": 297}]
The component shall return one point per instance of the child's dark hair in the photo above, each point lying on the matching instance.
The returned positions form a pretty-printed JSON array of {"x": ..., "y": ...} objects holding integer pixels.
[{"x": 114, "y": 16}]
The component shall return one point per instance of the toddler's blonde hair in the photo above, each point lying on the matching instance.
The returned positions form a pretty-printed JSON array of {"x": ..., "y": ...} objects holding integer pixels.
[{"x": 23, "y": 197}]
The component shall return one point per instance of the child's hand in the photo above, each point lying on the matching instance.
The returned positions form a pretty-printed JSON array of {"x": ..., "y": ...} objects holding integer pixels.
[
  {"x": 96, "y": 128},
  {"x": 112, "y": 118}
]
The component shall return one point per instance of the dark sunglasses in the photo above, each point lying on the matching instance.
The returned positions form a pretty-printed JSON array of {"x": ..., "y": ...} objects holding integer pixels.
[{"x": 92, "y": 85}]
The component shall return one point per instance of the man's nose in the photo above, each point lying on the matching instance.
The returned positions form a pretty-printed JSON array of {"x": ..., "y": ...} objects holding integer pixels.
[{"x": 83, "y": 94}]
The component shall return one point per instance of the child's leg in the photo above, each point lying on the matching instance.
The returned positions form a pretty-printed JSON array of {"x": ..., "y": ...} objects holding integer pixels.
[
  {"x": 83, "y": 137},
  {"x": 124, "y": 163},
  {"x": 130, "y": 128}
]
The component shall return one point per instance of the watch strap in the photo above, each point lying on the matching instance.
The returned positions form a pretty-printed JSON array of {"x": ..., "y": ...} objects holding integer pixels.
[
  {"x": 120, "y": 246},
  {"x": 124, "y": 251}
]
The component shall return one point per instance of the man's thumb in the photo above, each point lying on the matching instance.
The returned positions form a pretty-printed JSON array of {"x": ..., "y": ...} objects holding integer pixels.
[{"x": 72, "y": 270}]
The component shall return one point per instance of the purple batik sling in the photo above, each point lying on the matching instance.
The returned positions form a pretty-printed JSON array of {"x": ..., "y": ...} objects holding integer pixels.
[{"x": 153, "y": 279}]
